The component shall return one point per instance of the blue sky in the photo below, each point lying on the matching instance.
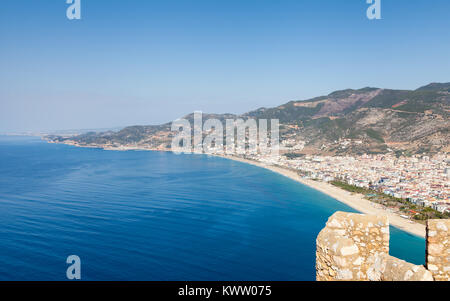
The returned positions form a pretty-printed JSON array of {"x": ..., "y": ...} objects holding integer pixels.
[{"x": 147, "y": 62}]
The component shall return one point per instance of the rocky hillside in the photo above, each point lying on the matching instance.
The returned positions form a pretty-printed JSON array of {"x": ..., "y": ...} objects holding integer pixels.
[{"x": 368, "y": 120}]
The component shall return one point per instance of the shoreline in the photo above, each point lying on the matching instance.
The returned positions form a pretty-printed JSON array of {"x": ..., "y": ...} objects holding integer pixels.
[{"x": 354, "y": 200}]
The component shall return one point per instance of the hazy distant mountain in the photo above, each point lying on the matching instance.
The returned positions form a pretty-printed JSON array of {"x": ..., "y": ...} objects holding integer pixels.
[{"x": 368, "y": 120}]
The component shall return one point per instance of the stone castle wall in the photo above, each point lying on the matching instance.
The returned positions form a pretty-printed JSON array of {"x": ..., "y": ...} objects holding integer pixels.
[
  {"x": 438, "y": 249},
  {"x": 355, "y": 247}
]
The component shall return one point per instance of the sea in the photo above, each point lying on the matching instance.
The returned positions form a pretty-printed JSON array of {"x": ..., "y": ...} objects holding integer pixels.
[{"x": 145, "y": 215}]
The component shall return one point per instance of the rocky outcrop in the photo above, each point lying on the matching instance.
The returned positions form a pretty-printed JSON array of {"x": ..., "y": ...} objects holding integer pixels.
[{"x": 355, "y": 247}]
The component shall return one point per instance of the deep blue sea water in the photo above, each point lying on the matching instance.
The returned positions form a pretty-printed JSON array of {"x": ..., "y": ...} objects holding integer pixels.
[{"x": 157, "y": 216}]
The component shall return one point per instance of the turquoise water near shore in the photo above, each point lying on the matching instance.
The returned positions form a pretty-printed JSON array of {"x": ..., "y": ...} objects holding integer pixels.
[{"x": 140, "y": 215}]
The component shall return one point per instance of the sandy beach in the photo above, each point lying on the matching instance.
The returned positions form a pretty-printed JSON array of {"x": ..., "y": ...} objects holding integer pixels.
[{"x": 356, "y": 201}]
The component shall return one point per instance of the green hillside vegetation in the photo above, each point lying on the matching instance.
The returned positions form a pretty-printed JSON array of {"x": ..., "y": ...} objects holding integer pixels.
[
  {"x": 435, "y": 87},
  {"x": 288, "y": 113},
  {"x": 375, "y": 135},
  {"x": 388, "y": 98}
]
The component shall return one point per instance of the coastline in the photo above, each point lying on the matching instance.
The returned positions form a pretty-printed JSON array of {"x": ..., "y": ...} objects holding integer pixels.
[
  {"x": 353, "y": 200},
  {"x": 356, "y": 201}
]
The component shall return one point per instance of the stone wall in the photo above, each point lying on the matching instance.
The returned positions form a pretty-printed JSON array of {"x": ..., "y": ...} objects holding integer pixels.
[
  {"x": 438, "y": 249},
  {"x": 347, "y": 243},
  {"x": 355, "y": 247}
]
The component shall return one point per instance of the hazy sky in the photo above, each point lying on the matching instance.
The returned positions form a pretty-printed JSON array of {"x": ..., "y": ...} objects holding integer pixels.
[{"x": 132, "y": 62}]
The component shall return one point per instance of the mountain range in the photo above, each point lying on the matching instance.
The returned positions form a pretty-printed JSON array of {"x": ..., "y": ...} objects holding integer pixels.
[{"x": 346, "y": 122}]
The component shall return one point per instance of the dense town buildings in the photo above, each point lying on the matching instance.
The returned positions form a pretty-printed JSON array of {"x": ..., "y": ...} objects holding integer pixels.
[{"x": 422, "y": 180}]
